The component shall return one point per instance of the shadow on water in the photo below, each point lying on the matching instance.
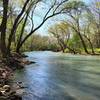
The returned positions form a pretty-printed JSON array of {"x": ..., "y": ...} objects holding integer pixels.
[{"x": 57, "y": 76}]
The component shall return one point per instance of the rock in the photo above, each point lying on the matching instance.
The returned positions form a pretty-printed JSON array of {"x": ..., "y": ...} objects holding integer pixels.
[
  {"x": 12, "y": 93},
  {"x": 20, "y": 92},
  {"x": 24, "y": 56},
  {"x": 16, "y": 55},
  {"x": 31, "y": 62},
  {"x": 6, "y": 88},
  {"x": 27, "y": 62},
  {"x": 2, "y": 81},
  {"x": 3, "y": 98},
  {"x": 1, "y": 85},
  {"x": 0, "y": 93},
  {"x": 3, "y": 92},
  {"x": 4, "y": 75},
  {"x": 20, "y": 85},
  {"x": 15, "y": 97}
]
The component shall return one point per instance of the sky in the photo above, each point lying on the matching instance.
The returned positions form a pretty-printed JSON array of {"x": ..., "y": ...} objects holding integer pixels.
[{"x": 38, "y": 18}]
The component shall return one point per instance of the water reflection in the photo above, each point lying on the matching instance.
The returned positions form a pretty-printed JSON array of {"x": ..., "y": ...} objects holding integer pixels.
[{"x": 58, "y": 76}]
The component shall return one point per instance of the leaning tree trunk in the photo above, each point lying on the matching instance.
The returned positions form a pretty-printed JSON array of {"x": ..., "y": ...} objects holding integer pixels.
[
  {"x": 3, "y": 29},
  {"x": 21, "y": 35},
  {"x": 83, "y": 43},
  {"x": 61, "y": 46},
  {"x": 93, "y": 52},
  {"x": 70, "y": 49},
  {"x": 81, "y": 38}
]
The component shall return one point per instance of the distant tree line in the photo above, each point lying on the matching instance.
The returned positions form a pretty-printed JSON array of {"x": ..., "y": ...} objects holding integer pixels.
[{"x": 41, "y": 43}]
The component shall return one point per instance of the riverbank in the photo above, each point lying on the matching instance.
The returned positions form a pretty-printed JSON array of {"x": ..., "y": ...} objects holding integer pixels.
[{"x": 10, "y": 91}]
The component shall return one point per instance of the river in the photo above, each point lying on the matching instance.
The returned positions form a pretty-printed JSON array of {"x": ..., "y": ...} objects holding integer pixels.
[{"x": 59, "y": 76}]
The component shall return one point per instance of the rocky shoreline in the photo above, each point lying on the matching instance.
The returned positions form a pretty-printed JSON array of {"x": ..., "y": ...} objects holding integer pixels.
[
  {"x": 8, "y": 91},
  {"x": 12, "y": 91}
]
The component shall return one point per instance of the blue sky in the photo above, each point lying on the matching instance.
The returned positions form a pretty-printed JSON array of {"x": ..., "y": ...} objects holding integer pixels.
[{"x": 38, "y": 18}]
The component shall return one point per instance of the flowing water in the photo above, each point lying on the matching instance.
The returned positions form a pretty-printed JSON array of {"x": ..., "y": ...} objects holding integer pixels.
[{"x": 58, "y": 76}]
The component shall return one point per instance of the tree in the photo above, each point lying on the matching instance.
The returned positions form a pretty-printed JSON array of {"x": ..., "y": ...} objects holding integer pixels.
[
  {"x": 3, "y": 28},
  {"x": 75, "y": 12},
  {"x": 62, "y": 34},
  {"x": 88, "y": 36},
  {"x": 95, "y": 13},
  {"x": 75, "y": 42}
]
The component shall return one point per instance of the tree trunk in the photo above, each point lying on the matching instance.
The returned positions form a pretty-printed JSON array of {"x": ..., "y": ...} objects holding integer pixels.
[
  {"x": 83, "y": 43},
  {"x": 81, "y": 38},
  {"x": 93, "y": 52},
  {"x": 3, "y": 29},
  {"x": 21, "y": 34}
]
